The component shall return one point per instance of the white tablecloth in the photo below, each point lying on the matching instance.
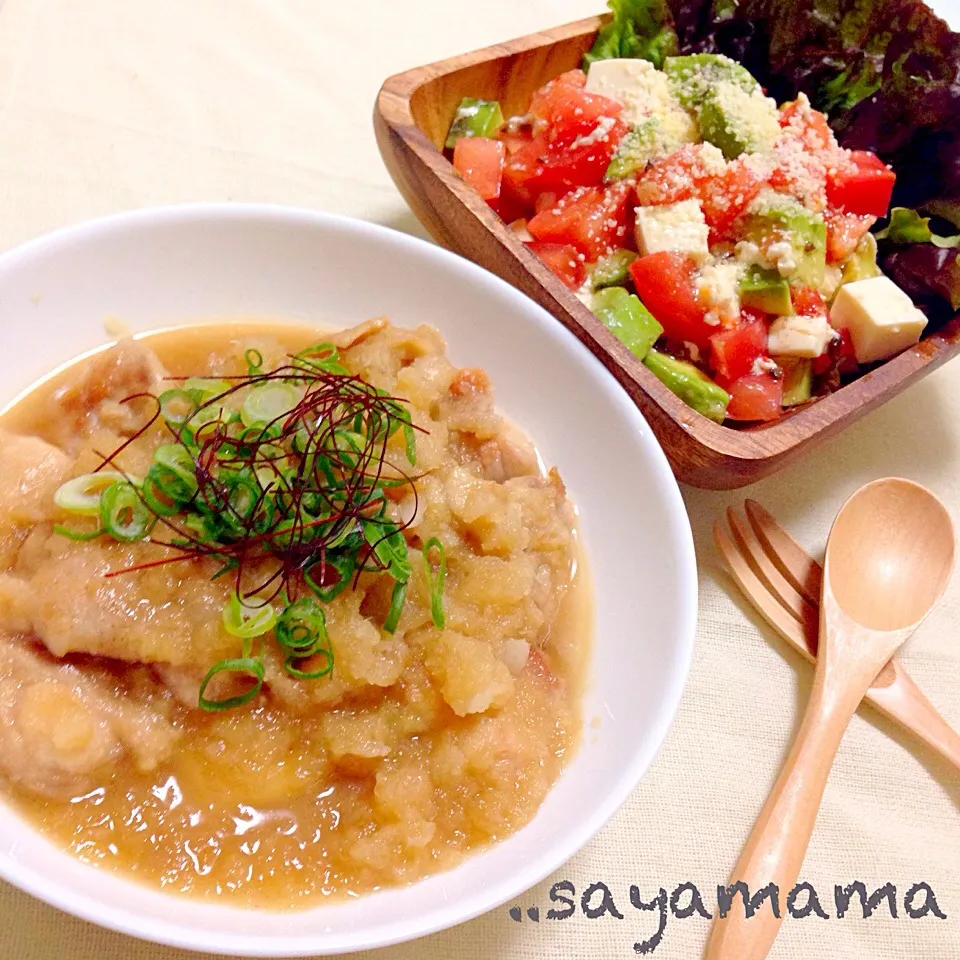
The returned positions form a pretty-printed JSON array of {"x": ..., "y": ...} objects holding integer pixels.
[{"x": 107, "y": 105}]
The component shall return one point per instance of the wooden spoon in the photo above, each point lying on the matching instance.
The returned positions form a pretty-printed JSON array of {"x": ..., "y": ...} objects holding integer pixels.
[{"x": 888, "y": 560}]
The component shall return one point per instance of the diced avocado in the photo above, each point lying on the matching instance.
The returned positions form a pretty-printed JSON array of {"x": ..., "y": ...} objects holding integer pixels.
[
  {"x": 737, "y": 121},
  {"x": 862, "y": 263},
  {"x": 791, "y": 236},
  {"x": 612, "y": 270},
  {"x": 694, "y": 76},
  {"x": 628, "y": 319},
  {"x": 765, "y": 290},
  {"x": 639, "y": 145},
  {"x": 691, "y": 385},
  {"x": 797, "y": 379},
  {"x": 475, "y": 118}
]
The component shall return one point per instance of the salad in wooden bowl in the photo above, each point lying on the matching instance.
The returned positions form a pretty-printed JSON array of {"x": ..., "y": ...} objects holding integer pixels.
[{"x": 760, "y": 208}]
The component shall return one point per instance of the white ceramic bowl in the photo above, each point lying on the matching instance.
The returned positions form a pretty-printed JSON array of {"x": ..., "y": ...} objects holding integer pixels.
[{"x": 163, "y": 267}]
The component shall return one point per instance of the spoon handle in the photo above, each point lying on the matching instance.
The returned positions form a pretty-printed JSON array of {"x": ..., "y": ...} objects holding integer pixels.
[
  {"x": 776, "y": 848},
  {"x": 903, "y": 700}
]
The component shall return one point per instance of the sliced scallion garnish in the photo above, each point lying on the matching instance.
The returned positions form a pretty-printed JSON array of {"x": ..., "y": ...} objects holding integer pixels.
[
  {"x": 123, "y": 514},
  {"x": 249, "y": 668},
  {"x": 247, "y": 622},
  {"x": 284, "y": 472},
  {"x": 177, "y": 406},
  {"x": 81, "y": 495},
  {"x": 203, "y": 389},
  {"x": 436, "y": 580},
  {"x": 269, "y": 403},
  {"x": 397, "y": 599}
]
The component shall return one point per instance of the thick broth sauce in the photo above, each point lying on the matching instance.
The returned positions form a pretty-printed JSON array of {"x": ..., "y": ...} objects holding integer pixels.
[{"x": 393, "y": 770}]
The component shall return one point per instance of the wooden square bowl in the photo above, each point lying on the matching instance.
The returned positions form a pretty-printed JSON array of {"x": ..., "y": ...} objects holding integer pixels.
[{"x": 412, "y": 116}]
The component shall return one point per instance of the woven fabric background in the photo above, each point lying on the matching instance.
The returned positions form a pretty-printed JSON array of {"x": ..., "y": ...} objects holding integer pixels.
[{"x": 107, "y": 105}]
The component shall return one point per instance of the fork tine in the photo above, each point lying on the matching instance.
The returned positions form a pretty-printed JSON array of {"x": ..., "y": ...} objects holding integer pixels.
[
  {"x": 800, "y": 569},
  {"x": 763, "y": 566},
  {"x": 788, "y": 626}
]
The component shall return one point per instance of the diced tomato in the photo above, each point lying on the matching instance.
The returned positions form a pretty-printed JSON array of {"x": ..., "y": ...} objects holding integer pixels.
[
  {"x": 802, "y": 122},
  {"x": 514, "y": 141},
  {"x": 755, "y": 397},
  {"x": 733, "y": 351},
  {"x": 542, "y": 99},
  {"x": 545, "y": 201},
  {"x": 847, "y": 356},
  {"x": 801, "y": 175},
  {"x": 673, "y": 178},
  {"x": 805, "y": 151},
  {"x": 508, "y": 207},
  {"x": 844, "y": 231},
  {"x": 820, "y": 365},
  {"x": 840, "y": 359},
  {"x": 568, "y": 113},
  {"x": 563, "y": 260},
  {"x": 540, "y": 166},
  {"x": 807, "y": 302},
  {"x": 864, "y": 185},
  {"x": 578, "y": 166},
  {"x": 592, "y": 219},
  {"x": 839, "y": 355},
  {"x": 724, "y": 198},
  {"x": 684, "y": 175},
  {"x": 480, "y": 160},
  {"x": 664, "y": 283},
  {"x": 521, "y": 167}
]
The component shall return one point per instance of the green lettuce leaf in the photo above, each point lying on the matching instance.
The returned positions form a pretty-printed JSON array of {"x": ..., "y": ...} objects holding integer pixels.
[
  {"x": 642, "y": 29},
  {"x": 907, "y": 226}
]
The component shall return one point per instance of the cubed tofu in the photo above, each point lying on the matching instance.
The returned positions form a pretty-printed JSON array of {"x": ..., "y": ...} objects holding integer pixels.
[
  {"x": 644, "y": 92},
  {"x": 881, "y": 318},
  {"x": 800, "y": 336},
  {"x": 677, "y": 227}
]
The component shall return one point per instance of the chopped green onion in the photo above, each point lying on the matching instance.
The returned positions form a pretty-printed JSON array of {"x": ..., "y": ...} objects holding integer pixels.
[
  {"x": 347, "y": 446},
  {"x": 203, "y": 389},
  {"x": 171, "y": 480},
  {"x": 123, "y": 514},
  {"x": 302, "y": 628},
  {"x": 269, "y": 403},
  {"x": 290, "y": 665},
  {"x": 410, "y": 441},
  {"x": 176, "y": 463},
  {"x": 323, "y": 356},
  {"x": 212, "y": 411},
  {"x": 348, "y": 530},
  {"x": 254, "y": 360},
  {"x": 397, "y": 600},
  {"x": 81, "y": 495},
  {"x": 344, "y": 564},
  {"x": 177, "y": 406},
  {"x": 436, "y": 582},
  {"x": 77, "y": 535},
  {"x": 388, "y": 545},
  {"x": 246, "y": 621},
  {"x": 295, "y": 469},
  {"x": 248, "y": 667},
  {"x": 206, "y": 527}
]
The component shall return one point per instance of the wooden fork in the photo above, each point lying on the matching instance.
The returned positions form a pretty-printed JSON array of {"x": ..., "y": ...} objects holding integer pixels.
[{"x": 783, "y": 581}]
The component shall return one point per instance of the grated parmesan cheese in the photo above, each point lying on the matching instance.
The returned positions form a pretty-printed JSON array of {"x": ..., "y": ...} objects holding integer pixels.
[
  {"x": 599, "y": 134},
  {"x": 717, "y": 288}
]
